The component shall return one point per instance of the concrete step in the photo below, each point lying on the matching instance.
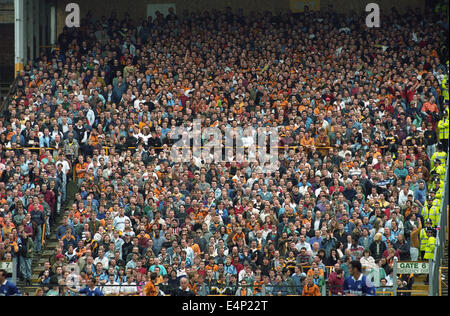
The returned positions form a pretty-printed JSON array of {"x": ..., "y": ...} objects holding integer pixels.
[
  {"x": 38, "y": 269},
  {"x": 48, "y": 253},
  {"x": 420, "y": 278},
  {"x": 419, "y": 294},
  {"x": 420, "y": 287},
  {"x": 30, "y": 290},
  {"x": 52, "y": 245},
  {"x": 41, "y": 261},
  {"x": 49, "y": 248}
]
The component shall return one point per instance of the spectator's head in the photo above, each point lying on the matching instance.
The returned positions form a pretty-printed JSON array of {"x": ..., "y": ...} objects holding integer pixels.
[
  {"x": 3, "y": 276},
  {"x": 184, "y": 284},
  {"x": 355, "y": 268}
]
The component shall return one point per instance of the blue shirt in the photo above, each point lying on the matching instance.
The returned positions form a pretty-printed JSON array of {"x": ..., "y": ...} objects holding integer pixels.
[
  {"x": 9, "y": 289},
  {"x": 315, "y": 239},
  {"x": 89, "y": 292},
  {"x": 231, "y": 269},
  {"x": 360, "y": 287},
  {"x": 420, "y": 195},
  {"x": 298, "y": 283}
]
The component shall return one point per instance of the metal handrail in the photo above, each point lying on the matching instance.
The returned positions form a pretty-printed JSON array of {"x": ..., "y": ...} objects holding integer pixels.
[
  {"x": 441, "y": 236},
  {"x": 440, "y": 278}
]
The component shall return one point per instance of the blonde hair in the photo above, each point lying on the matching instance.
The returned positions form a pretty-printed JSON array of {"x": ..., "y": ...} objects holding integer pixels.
[{"x": 377, "y": 237}]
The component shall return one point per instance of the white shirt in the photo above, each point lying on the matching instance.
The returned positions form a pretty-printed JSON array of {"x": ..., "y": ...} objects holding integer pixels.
[
  {"x": 111, "y": 288},
  {"x": 104, "y": 261},
  {"x": 243, "y": 274},
  {"x": 299, "y": 246},
  {"x": 65, "y": 164},
  {"x": 128, "y": 288},
  {"x": 402, "y": 197},
  {"x": 137, "y": 104},
  {"x": 90, "y": 117},
  {"x": 119, "y": 222},
  {"x": 316, "y": 224},
  {"x": 189, "y": 253}
]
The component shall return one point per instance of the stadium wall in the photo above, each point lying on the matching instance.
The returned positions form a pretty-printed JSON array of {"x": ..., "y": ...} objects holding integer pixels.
[{"x": 138, "y": 8}]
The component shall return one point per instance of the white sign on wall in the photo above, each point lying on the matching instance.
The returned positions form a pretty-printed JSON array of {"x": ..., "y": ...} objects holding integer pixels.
[
  {"x": 412, "y": 267},
  {"x": 7, "y": 266}
]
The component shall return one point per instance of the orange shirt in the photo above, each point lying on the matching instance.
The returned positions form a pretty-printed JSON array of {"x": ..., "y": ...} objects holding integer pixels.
[
  {"x": 322, "y": 141},
  {"x": 193, "y": 288},
  {"x": 237, "y": 236},
  {"x": 143, "y": 124},
  {"x": 243, "y": 292},
  {"x": 6, "y": 230},
  {"x": 428, "y": 107},
  {"x": 81, "y": 167},
  {"x": 150, "y": 289},
  {"x": 347, "y": 164},
  {"x": 311, "y": 291},
  {"x": 311, "y": 272},
  {"x": 307, "y": 142},
  {"x": 196, "y": 249},
  {"x": 214, "y": 267},
  {"x": 94, "y": 140},
  {"x": 306, "y": 220}
]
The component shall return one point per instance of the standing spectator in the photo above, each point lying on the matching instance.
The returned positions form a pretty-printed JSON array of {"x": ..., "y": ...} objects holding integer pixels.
[
  {"x": 26, "y": 249},
  {"x": 378, "y": 247},
  {"x": 37, "y": 219},
  {"x": 336, "y": 282},
  {"x": 403, "y": 247}
]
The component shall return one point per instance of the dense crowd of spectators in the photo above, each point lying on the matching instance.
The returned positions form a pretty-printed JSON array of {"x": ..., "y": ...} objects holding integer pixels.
[{"x": 361, "y": 118}]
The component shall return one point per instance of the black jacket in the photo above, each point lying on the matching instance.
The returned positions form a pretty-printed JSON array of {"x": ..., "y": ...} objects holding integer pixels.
[
  {"x": 373, "y": 250},
  {"x": 180, "y": 292},
  {"x": 403, "y": 250},
  {"x": 37, "y": 217}
]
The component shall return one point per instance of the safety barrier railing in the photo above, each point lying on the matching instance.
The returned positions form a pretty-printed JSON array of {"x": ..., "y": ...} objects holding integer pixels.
[
  {"x": 122, "y": 291},
  {"x": 384, "y": 293},
  {"x": 107, "y": 149},
  {"x": 441, "y": 237},
  {"x": 441, "y": 280}
]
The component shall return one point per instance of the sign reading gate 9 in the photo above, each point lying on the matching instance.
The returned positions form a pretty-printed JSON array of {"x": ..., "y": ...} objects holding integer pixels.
[
  {"x": 412, "y": 267},
  {"x": 7, "y": 266}
]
